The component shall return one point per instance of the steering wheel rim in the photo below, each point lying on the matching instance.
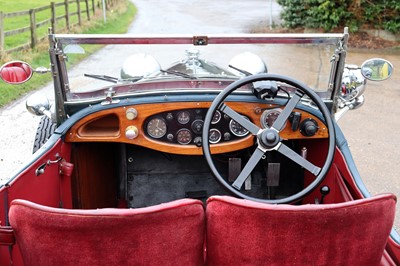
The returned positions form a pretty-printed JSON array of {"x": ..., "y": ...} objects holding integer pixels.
[{"x": 266, "y": 138}]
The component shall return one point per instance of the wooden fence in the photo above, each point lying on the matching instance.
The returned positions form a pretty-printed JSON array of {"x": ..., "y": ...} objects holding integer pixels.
[{"x": 85, "y": 13}]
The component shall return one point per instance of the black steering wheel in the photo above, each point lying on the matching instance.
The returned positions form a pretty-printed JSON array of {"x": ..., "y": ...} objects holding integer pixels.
[{"x": 268, "y": 139}]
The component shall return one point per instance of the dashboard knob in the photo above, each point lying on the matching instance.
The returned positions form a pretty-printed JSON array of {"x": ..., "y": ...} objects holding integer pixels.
[
  {"x": 131, "y": 132},
  {"x": 309, "y": 127},
  {"x": 131, "y": 113}
]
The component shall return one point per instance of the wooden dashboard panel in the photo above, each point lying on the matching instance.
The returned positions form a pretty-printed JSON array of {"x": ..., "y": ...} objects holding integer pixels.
[{"x": 111, "y": 125}]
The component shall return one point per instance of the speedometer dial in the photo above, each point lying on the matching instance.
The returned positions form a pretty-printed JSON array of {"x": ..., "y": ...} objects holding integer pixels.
[{"x": 157, "y": 128}]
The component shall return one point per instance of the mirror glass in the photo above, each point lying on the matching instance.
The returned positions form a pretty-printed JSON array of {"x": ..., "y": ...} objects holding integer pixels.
[
  {"x": 16, "y": 72},
  {"x": 377, "y": 69}
]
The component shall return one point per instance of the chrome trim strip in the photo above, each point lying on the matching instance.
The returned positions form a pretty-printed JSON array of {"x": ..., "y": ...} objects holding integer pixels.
[{"x": 288, "y": 38}]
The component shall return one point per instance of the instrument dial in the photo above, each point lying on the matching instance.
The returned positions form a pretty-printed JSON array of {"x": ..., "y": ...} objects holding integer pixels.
[
  {"x": 237, "y": 129},
  {"x": 183, "y": 117},
  {"x": 214, "y": 136},
  {"x": 197, "y": 126},
  {"x": 216, "y": 118},
  {"x": 157, "y": 128},
  {"x": 183, "y": 136},
  {"x": 269, "y": 116}
]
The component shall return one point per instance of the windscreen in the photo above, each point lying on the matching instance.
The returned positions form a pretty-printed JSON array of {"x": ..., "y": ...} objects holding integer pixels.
[{"x": 97, "y": 67}]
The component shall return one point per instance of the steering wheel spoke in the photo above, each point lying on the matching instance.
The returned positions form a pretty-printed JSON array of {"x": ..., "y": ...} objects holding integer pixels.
[
  {"x": 239, "y": 118},
  {"x": 254, "y": 159},
  {"x": 289, "y": 153},
  {"x": 283, "y": 117}
]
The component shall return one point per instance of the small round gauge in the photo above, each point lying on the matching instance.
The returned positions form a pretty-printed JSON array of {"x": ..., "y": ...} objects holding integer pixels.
[
  {"x": 197, "y": 126},
  {"x": 183, "y": 117},
  {"x": 157, "y": 128},
  {"x": 184, "y": 136},
  {"x": 214, "y": 136},
  {"x": 237, "y": 129},
  {"x": 269, "y": 116},
  {"x": 216, "y": 117}
]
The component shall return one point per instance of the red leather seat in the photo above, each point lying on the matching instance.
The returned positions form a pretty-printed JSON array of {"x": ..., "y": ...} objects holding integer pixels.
[
  {"x": 241, "y": 232},
  {"x": 166, "y": 234}
]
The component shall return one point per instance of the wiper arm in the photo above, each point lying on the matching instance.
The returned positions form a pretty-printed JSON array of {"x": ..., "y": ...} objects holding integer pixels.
[
  {"x": 113, "y": 79},
  {"x": 177, "y": 73}
]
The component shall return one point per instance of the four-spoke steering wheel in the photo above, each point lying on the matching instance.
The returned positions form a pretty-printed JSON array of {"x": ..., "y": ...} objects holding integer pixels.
[{"x": 269, "y": 139}]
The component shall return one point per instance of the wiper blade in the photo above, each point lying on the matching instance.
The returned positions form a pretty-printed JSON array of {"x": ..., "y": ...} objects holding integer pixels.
[
  {"x": 177, "y": 73},
  {"x": 113, "y": 79},
  {"x": 241, "y": 71},
  {"x": 102, "y": 77}
]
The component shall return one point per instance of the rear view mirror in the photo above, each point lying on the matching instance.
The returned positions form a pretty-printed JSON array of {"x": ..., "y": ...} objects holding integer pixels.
[
  {"x": 376, "y": 69},
  {"x": 16, "y": 72}
]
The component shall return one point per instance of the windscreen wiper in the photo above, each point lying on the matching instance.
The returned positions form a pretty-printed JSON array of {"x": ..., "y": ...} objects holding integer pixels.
[
  {"x": 102, "y": 77},
  {"x": 241, "y": 71},
  {"x": 177, "y": 73},
  {"x": 113, "y": 79}
]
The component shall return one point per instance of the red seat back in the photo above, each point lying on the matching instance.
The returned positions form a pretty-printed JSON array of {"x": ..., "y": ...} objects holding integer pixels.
[
  {"x": 166, "y": 234},
  {"x": 241, "y": 232}
]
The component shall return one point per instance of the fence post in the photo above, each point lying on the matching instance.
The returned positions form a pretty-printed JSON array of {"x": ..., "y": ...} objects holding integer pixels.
[
  {"x": 78, "y": 6},
  {"x": 87, "y": 9},
  {"x": 66, "y": 14},
  {"x": 1, "y": 33},
  {"x": 32, "y": 14},
  {"x": 53, "y": 16}
]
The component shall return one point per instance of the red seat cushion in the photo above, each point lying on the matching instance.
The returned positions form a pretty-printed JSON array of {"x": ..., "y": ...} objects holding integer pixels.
[
  {"x": 241, "y": 232},
  {"x": 166, "y": 234}
]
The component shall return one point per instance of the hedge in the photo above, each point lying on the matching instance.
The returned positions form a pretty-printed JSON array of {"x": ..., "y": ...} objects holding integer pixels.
[{"x": 355, "y": 14}]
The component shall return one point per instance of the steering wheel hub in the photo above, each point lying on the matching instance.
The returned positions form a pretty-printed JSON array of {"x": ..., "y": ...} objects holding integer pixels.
[{"x": 269, "y": 138}]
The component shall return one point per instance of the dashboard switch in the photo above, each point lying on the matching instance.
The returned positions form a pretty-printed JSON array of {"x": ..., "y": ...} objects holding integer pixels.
[
  {"x": 294, "y": 119},
  {"x": 131, "y": 132}
]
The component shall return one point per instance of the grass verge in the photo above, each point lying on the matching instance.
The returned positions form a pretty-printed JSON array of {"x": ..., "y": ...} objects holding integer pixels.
[{"x": 118, "y": 20}]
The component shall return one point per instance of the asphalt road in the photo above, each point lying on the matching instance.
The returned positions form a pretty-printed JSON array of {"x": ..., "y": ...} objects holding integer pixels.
[{"x": 371, "y": 130}]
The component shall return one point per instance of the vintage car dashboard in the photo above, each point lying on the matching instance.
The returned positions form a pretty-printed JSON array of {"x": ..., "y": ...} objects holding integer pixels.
[{"x": 176, "y": 127}]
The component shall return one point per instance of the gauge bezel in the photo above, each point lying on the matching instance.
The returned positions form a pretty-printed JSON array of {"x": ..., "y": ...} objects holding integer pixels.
[
  {"x": 268, "y": 112},
  {"x": 218, "y": 115},
  {"x": 183, "y": 115},
  {"x": 219, "y": 136},
  {"x": 182, "y": 131}
]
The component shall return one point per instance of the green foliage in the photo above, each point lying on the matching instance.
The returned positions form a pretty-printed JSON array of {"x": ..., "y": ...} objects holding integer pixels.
[
  {"x": 294, "y": 12},
  {"x": 118, "y": 21},
  {"x": 355, "y": 14}
]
